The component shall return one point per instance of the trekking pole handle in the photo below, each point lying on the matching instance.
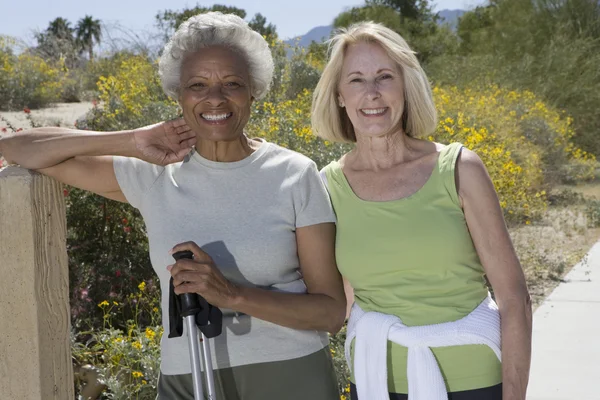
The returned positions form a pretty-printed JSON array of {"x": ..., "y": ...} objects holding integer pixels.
[{"x": 190, "y": 302}]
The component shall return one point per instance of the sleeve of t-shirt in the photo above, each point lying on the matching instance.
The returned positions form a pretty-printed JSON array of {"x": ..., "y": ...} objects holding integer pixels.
[
  {"x": 135, "y": 177},
  {"x": 324, "y": 177},
  {"x": 311, "y": 199}
]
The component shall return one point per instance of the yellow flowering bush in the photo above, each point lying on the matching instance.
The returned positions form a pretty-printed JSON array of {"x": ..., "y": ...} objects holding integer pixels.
[
  {"x": 128, "y": 358},
  {"x": 27, "y": 80},
  {"x": 524, "y": 144},
  {"x": 131, "y": 96},
  {"x": 133, "y": 85},
  {"x": 287, "y": 123},
  {"x": 526, "y": 125}
]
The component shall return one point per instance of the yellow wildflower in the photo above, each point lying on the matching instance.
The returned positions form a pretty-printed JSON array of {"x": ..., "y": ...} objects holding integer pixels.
[{"x": 150, "y": 334}]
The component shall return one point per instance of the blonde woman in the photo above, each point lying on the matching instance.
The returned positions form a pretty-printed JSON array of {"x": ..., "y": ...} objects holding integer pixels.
[{"x": 418, "y": 226}]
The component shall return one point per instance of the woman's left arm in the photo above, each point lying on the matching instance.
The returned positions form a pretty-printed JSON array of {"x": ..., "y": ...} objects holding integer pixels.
[
  {"x": 495, "y": 249},
  {"x": 322, "y": 308}
]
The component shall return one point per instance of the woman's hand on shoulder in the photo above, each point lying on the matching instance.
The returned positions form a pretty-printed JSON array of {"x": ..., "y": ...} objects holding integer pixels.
[{"x": 164, "y": 143}]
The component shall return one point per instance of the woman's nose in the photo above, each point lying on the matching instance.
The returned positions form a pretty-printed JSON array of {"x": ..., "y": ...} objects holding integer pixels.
[
  {"x": 372, "y": 91},
  {"x": 215, "y": 96}
]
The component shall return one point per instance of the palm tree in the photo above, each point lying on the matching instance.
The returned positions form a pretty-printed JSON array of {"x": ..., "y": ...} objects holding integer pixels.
[
  {"x": 89, "y": 30},
  {"x": 60, "y": 28}
]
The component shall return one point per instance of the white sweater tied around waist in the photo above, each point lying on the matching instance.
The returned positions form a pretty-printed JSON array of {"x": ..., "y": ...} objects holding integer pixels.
[{"x": 372, "y": 330}]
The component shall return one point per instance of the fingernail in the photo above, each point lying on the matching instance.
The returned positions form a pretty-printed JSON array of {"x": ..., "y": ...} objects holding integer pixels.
[
  {"x": 171, "y": 251},
  {"x": 169, "y": 267}
]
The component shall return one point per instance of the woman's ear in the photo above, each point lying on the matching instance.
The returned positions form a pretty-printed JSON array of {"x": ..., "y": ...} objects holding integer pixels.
[{"x": 340, "y": 101}]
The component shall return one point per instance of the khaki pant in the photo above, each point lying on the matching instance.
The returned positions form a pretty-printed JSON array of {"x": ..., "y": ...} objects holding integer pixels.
[{"x": 306, "y": 378}]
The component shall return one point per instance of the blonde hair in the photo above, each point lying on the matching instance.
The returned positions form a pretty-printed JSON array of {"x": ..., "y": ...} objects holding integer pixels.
[{"x": 330, "y": 121}]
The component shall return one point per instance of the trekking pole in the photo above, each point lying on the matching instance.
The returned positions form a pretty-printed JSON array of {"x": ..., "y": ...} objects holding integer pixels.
[{"x": 198, "y": 314}]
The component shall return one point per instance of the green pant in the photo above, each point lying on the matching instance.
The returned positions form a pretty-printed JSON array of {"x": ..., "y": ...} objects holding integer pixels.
[{"x": 306, "y": 378}]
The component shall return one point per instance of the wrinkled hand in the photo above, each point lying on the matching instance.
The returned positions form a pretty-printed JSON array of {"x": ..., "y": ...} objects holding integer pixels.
[
  {"x": 201, "y": 276},
  {"x": 164, "y": 143}
]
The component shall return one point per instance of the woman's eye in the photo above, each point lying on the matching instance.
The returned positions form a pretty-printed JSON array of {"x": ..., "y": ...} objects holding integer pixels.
[
  {"x": 356, "y": 80},
  {"x": 386, "y": 76},
  {"x": 232, "y": 85},
  {"x": 197, "y": 85}
]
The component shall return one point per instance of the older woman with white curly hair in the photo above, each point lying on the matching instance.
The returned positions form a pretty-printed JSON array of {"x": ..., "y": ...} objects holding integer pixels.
[{"x": 256, "y": 216}]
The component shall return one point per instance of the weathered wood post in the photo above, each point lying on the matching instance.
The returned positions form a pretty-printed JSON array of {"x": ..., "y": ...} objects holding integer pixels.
[{"x": 35, "y": 354}]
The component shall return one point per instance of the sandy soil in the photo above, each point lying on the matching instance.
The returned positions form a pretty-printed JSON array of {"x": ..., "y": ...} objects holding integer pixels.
[{"x": 64, "y": 114}]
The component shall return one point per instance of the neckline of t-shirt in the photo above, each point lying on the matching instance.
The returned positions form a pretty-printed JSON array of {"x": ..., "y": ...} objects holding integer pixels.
[{"x": 264, "y": 146}]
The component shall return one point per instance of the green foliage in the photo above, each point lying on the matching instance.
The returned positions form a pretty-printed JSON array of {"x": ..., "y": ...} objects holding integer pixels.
[
  {"x": 168, "y": 21},
  {"x": 57, "y": 42},
  {"x": 418, "y": 10},
  {"x": 28, "y": 80},
  {"x": 336, "y": 345},
  {"x": 551, "y": 48},
  {"x": 88, "y": 32},
  {"x": 259, "y": 24},
  {"x": 416, "y": 23},
  {"x": 127, "y": 353},
  {"x": 108, "y": 254}
]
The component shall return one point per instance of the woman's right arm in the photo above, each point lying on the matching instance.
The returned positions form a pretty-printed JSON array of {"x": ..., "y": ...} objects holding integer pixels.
[{"x": 84, "y": 159}]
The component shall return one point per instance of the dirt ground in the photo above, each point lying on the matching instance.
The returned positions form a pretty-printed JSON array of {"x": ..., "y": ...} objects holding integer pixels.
[{"x": 64, "y": 114}]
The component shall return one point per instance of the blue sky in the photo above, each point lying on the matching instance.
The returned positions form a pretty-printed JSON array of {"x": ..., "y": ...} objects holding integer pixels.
[{"x": 21, "y": 17}]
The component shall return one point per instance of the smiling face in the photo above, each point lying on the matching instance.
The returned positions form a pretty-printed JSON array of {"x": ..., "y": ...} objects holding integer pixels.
[
  {"x": 215, "y": 93},
  {"x": 371, "y": 89}
]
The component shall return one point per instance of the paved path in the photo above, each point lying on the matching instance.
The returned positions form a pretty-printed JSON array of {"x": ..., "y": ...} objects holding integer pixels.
[{"x": 566, "y": 337}]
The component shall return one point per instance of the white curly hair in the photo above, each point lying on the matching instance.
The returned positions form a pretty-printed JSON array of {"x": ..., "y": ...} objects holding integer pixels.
[{"x": 217, "y": 29}]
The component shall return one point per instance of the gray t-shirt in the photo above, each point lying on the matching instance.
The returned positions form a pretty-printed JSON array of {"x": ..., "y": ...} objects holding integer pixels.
[{"x": 244, "y": 215}]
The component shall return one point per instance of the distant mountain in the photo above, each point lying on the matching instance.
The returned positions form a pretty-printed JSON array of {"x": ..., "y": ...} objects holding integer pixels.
[
  {"x": 451, "y": 17},
  {"x": 322, "y": 33},
  {"x": 318, "y": 34}
]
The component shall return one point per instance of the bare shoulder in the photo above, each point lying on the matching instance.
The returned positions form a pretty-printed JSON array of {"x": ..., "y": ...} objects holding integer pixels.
[
  {"x": 426, "y": 149},
  {"x": 470, "y": 162},
  {"x": 472, "y": 178}
]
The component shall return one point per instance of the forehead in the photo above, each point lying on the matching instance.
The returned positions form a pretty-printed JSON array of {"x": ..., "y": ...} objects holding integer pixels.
[
  {"x": 216, "y": 59},
  {"x": 366, "y": 57}
]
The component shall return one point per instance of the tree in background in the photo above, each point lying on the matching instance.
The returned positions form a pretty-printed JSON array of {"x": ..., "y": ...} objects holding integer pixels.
[
  {"x": 260, "y": 25},
  {"x": 168, "y": 21},
  {"x": 60, "y": 28},
  {"x": 413, "y": 19},
  {"x": 88, "y": 31},
  {"x": 550, "y": 47},
  {"x": 57, "y": 42}
]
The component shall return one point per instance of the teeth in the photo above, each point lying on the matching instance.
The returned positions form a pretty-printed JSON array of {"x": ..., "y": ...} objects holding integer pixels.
[
  {"x": 215, "y": 117},
  {"x": 373, "y": 111}
]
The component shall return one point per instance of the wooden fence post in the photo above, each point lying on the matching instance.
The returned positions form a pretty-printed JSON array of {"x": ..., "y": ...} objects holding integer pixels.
[{"x": 35, "y": 353}]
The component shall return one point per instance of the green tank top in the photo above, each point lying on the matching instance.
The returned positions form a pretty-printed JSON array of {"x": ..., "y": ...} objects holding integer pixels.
[{"x": 414, "y": 258}]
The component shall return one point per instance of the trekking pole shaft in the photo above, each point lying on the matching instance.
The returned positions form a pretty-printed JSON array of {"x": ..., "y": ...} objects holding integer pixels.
[
  {"x": 194, "y": 344},
  {"x": 210, "y": 380}
]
